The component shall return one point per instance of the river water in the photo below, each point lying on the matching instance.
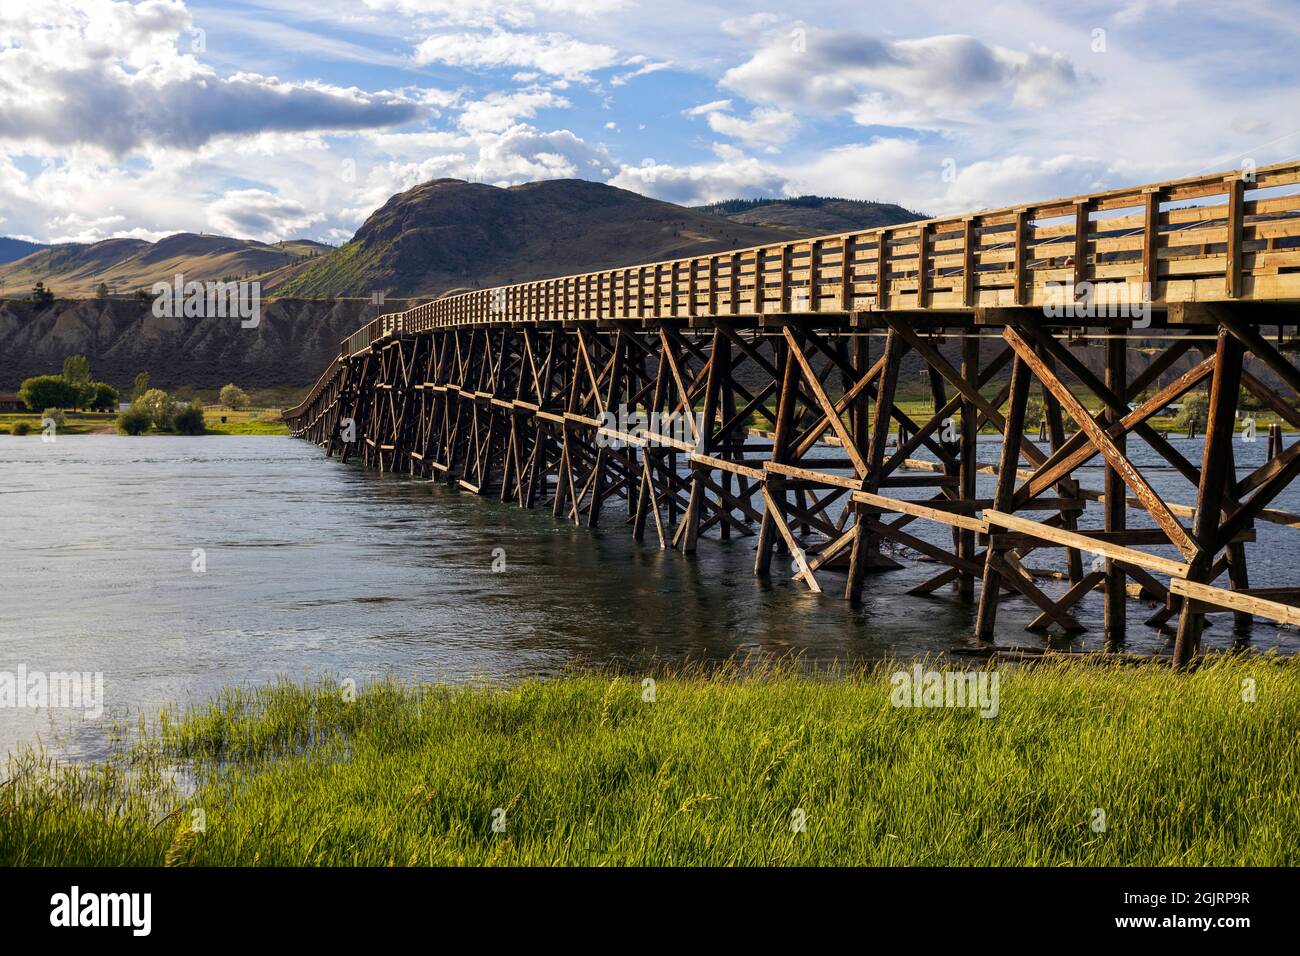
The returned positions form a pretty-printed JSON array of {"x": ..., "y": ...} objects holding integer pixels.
[{"x": 176, "y": 566}]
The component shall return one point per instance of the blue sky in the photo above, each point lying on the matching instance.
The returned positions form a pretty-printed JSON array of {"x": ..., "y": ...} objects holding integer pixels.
[{"x": 275, "y": 119}]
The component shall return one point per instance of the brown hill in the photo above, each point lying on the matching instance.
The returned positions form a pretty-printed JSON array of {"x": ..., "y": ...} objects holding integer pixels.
[
  {"x": 124, "y": 265},
  {"x": 449, "y": 233}
]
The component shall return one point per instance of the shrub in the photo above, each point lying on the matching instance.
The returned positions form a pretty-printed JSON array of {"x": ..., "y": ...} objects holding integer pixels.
[
  {"x": 1195, "y": 406},
  {"x": 133, "y": 421},
  {"x": 103, "y": 397},
  {"x": 159, "y": 406},
  {"x": 189, "y": 420},
  {"x": 21, "y": 428},
  {"x": 53, "y": 414},
  {"x": 234, "y": 396},
  {"x": 48, "y": 391}
]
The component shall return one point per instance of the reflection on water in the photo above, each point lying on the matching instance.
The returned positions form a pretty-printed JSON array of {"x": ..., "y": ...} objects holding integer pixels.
[{"x": 317, "y": 567}]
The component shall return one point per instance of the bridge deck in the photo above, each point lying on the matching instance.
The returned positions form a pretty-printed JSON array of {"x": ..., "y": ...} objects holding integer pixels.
[{"x": 517, "y": 390}]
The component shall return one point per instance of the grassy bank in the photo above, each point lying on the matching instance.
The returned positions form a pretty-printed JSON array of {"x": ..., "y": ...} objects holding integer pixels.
[
  {"x": 715, "y": 770},
  {"x": 250, "y": 421}
]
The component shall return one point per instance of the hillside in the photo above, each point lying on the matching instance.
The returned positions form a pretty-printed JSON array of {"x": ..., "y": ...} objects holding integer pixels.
[
  {"x": 449, "y": 233},
  {"x": 77, "y": 269},
  {"x": 11, "y": 249},
  {"x": 812, "y": 215},
  {"x": 291, "y": 345}
]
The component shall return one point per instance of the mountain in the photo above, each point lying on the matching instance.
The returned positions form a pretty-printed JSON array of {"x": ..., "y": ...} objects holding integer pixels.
[
  {"x": 449, "y": 233},
  {"x": 77, "y": 269},
  {"x": 812, "y": 215},
  {"x": 11, "y": 249}
]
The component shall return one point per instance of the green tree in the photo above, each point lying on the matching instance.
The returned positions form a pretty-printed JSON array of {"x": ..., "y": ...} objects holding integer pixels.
[
  {"x": 133, "y": 421},
  {"x": 76, "y": 369},
  {"x": 103, "y": 397},
  {"x": 159, "y": 406},
  {"x": 189, "y": 420},
  {"x": 234, "y": 396},
  {"x": 43, "y": 297},
  {"x": 48, "y": 391},
  {"x": 1196, "y": 406},
  {"x": 140, "y": 387}
]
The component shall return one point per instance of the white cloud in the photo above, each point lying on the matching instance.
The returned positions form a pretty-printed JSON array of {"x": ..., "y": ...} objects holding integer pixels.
[
  {"x": 517, "y": 13},
  {"x": 553, "y": 53},
  {"x": 499, "y": 111},
  {"x": 258, "y": 214},
  {"x": 112, "y": 75},
  {"x": 702, "y": 182},
  {"x": 896, "y": 82},
  {"x": 750, "y": 27}
]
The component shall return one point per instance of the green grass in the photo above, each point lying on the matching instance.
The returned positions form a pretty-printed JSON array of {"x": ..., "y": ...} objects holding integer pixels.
[
  {"x": 710, "y": 772},
  {"x": 75, "y": 423},
  {"x": 250, "y": 421}
]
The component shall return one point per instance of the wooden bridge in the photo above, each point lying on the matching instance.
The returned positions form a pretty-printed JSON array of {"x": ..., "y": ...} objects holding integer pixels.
[{"x": 756, "y": 393}]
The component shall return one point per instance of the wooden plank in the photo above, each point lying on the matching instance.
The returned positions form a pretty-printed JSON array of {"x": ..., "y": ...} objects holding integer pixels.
[
  {"x": 778, "y": 519},
  {"x": 1236, "y": 601},
  {"x": 1236, "y": 217},
  {"x": 920, "y": 510},
  {"x": 1082, "y": 542}
]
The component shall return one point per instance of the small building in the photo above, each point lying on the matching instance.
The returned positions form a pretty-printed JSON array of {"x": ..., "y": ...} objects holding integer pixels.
[{"x": 10, "y": 402}]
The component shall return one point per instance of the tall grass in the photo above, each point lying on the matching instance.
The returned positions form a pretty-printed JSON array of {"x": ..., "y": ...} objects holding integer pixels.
[{"x": 718, "y": 769}]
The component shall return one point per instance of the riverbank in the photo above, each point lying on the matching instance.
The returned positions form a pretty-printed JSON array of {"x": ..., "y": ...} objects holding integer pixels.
[
  {"x": 252, "y": 421},
  {"x": 1082, "y": 765}
]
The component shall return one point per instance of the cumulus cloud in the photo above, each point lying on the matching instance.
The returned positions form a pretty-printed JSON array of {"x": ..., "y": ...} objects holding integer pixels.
[
  {"x": 766, "y": 126},
  {"x": 499, "y": 111},
  {"x": 702, "y": 182},
  {"x": 258, "y": 214},
  {"x": 552, "y": 53},
  {"x": 897, "y": 82},
  {"x": 112, "y": 75}
]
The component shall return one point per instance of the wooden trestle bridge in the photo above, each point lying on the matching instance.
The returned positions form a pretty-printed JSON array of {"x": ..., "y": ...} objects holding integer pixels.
[{"x": 754, "y": 393}]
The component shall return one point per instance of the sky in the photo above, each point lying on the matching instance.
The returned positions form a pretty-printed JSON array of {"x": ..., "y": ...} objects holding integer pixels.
[{"x": 278, "y": 119}]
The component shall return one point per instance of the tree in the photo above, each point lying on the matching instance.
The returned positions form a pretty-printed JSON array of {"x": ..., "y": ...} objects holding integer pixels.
[
  {"x": 234, "y": 396},
  {"x": 43, "y": 297},
  {"x": 140, "y": 387},
  {"x": 76, "y": 369},
  {"x": 103, "y": 397},
  {"x": 189, "y": 420},
  {"x": 48, "y": 391},
  {"x": 101, "y": 291},
  {"x": 133, "y": 421},
  {"x": 159, "y": 406}
]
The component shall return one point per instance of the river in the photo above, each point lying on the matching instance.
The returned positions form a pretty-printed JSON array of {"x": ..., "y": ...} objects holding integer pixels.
[{"x": 176, "y": 566}]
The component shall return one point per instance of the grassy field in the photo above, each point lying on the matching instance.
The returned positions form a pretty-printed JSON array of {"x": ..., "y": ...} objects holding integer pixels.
[
  {"x": 716, "y": 769},
  {"x": 250, "y": 421}
]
